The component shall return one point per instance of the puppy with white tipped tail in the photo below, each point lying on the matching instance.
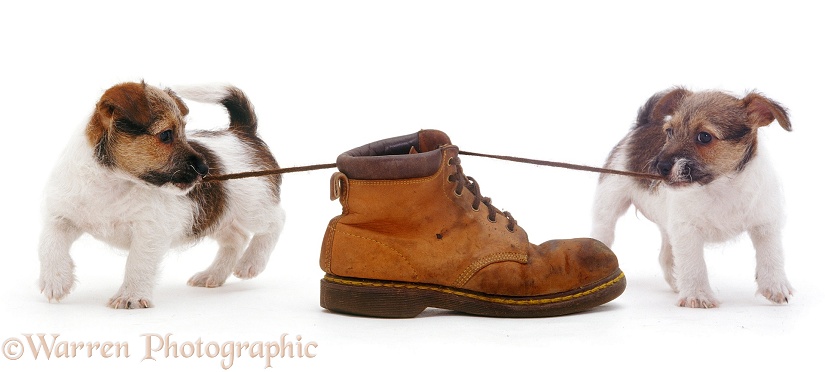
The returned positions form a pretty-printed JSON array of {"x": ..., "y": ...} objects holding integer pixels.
[
  {"x": 718, "y": 184},
  {"x": 133, "y": 178}
]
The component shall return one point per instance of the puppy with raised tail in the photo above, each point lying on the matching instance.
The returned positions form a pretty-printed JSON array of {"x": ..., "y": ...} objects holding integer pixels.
[
  {"x": 132, "y": 177},
  {"x": 718, "y": 183}
]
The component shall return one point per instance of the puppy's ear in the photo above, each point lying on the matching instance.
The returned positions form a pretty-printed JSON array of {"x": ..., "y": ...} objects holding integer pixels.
[
  {"x": 763, "y": 111},
  {"x": 660, "y": 105},
  {"x": 184, "y": 110},
  {"x": 667, "y": 103},
  {"x": 125, "y": 101}
]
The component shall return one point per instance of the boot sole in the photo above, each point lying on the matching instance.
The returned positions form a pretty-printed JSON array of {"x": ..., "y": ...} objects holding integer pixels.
[{"x": 386, "y": 299}]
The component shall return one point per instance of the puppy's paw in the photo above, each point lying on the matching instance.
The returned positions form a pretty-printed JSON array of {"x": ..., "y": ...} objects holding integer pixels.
[
  {"x": 698, "y": 301},
  {"x": 207, "y": 279},
  {"x": 249, "y": 268},
  {"x": 57, "y": 284},
  {"x": 130, "y": 299},
  {"x": 129, "y": 302},
  {"x": 777, "y": 293}
]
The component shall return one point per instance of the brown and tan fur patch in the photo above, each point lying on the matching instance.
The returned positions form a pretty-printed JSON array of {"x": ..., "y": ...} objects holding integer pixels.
[
  {"x": 210, "y": 197},
  {"x": 699, "y": 136},
  {"x": 140, "y": 130}
]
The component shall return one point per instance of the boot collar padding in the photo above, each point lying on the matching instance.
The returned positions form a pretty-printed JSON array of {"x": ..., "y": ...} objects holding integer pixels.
[{"x": 391, "y": 159}]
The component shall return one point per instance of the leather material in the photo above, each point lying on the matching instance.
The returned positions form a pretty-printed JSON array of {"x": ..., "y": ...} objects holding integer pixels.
[
  {"x": 420, "y": 230},
  {"x": 393, "y": 159}
]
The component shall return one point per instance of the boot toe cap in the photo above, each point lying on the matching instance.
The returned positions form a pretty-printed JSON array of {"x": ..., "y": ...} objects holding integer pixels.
[
  {"x": 555, "y": 266},
  {"x": 586, "y": 259}
]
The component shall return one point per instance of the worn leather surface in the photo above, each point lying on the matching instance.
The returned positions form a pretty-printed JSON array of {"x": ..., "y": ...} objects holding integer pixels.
[
  {"x": 392, "y": 159},
  {"x": 419, "y": 230}
]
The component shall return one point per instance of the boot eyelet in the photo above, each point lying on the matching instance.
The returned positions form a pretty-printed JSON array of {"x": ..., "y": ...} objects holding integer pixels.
[
  {"x": 492, "y": 220},
  {"x": 475, "y": 209},
  {"x": 450, "y": 162},
  {"x": 512, "y": 230}
]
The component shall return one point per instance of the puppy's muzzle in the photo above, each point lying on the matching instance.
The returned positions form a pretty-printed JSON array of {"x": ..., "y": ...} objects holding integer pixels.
[
  {"x": 199, "y": 165},
  {"x": 682, "y": 171},
  {"x": 193, "y": 169},
  {"x": 665, "y": 167}
]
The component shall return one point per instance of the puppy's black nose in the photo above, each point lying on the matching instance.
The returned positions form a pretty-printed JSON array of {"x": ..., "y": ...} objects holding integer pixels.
[
  {"x": 664, "y": 167},
  {"x": 199, "y": 165}
]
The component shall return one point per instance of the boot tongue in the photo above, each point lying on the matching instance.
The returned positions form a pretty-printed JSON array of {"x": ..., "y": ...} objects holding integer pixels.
[{"x": 410, "y": 156}]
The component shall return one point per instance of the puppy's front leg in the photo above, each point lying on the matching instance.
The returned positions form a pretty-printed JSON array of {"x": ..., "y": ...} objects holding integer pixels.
[
  {"x": 770, "y": 267},
  {"x": 232, "y": 241},
  {"x": 56, "y": 265},
  {"x": 260, "y": 248},
  {"x": 690, "y": 270},
  {"x": 666, "y": 261},
  {"x": 141, "y": 270},
  {"x": 611, "y": 202}
]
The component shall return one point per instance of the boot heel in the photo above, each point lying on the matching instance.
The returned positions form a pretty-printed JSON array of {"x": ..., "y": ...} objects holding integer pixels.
[{"x": 371, "y": 298}]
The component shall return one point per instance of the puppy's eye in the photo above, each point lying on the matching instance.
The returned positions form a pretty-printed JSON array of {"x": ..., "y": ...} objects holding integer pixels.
[
  {"x": 704, "y": 137},
  {"x": 129, "y": 127},
  {"x": 166, "y": 136}
]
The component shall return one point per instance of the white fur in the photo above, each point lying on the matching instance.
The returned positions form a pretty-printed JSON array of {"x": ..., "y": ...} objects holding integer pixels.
[
  {"x": 688, "y": 217},
  {"x": 83, "y": 196},
  {"x": 213, "y": 93}
]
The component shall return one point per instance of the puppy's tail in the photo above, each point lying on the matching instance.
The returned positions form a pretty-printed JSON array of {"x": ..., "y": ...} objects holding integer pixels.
[{"x": 241, "y": 112}]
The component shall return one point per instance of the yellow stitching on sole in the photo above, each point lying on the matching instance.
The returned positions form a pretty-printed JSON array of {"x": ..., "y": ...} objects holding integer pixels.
[{"x": 543, "y": 301}]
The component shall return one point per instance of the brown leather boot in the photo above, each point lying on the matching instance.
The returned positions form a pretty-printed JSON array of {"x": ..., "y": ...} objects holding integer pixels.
[{"x": 415, "y": 232}]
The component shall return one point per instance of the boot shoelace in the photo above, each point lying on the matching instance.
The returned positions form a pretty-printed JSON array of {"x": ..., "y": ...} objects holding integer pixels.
[{"x": 470, "y": 183}]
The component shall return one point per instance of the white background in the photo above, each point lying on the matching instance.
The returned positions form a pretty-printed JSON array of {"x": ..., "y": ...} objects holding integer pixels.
[{"x": 531, "y": 79}]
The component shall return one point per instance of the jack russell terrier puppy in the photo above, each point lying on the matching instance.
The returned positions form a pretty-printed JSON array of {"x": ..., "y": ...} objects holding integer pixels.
[
  {"x": 133, "y": 178},
  {"x": 717, "y": 184}
]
